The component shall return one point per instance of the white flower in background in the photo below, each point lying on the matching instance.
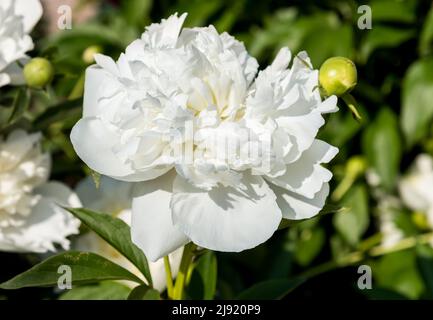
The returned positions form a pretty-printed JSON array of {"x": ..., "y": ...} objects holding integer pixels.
[
  {"x": 17, "y": 19},
  {"x": 416, "y": 188},
  {"x": 30, "y": 219},
  {"x": 387, "y": 211},
  {"x": 251, "y": 153},
  {"x": 114, "y": 197}
]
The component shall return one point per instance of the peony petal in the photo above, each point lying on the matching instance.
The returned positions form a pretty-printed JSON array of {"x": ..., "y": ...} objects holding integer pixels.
[
  {"x": 31, "y": 10},
  {"x": 164, "y": 34},
  {"x": 226, "y": 218},
  {"x": 13, "y": 74},
  {"x": 152, "y": 229},
  {"x": 296, "y": 207},
  {"x": 93, "y": 141},
  {"x": 306, "y": 176},
  {"x": 95, "y": 75},
  {"x": 48, "y": 224},
  {"x": 282, "y": 60},
  {"x": 302, "y": 130}
]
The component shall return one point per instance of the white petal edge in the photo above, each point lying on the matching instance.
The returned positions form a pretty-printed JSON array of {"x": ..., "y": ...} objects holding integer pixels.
[
  {"x": 31, "y": 10},
  {"x": 225, "y": 218},
  {"x": 93, "y": 142},
  {"x": 297, "y": 207},
  {"x": 306, "y": 176},
  {"x": 152, "y": 229},
  {"x": 47, "y": 225}
]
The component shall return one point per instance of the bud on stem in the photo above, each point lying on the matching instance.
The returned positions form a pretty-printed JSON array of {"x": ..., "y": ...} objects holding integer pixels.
[
  {"x": 38, "y": 73},
  {"x": 338, "y": 76}
]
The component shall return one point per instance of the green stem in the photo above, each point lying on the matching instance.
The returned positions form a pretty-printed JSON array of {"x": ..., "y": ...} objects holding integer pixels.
[
  {"x": 78, "y": 89},
  {"x": 168, "y": 277},
  {"x": 351, "y": 103},
  {"x": 358, "y": 256},
  {"x": 343, "y": 187},
  {"x": 187, "y": 257}
]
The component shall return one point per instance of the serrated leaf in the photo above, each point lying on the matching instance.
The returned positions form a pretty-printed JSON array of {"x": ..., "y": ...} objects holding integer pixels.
[
  {"x": 86, "y": 267},
  {"x": 117, "y": 233}
]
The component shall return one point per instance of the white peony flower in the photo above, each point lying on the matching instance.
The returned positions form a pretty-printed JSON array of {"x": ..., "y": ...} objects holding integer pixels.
[
  {"x": 387, "y": 208},
  {"x": 30, "y": 219},
  {"x": 114, "y": 197},
  {"x": 416, "y": 188},
  {"x": 221, "y": 156},
  {"x": 17, "y": 19}
]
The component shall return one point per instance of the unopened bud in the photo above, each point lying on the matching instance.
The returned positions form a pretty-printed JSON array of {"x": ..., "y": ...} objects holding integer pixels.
[
  {"x": 89, "y": 53},
  {"x": 338, "y": 76},
  {"x": 38, "y": 73}
]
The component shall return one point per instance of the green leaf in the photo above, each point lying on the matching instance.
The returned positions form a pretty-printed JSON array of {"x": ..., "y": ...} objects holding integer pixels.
[
  {"x": 143, "y": 292},
  {"x": 425, "y": 266},
  {"x": 85, "y": 267},
  {"x": 321, "y": 34},
  {"x": 398, "y": 272},
  {"x": 116, "y": 233},
  {"x": 383, "y": 294},
  {"x": 198, "y": 11},
  {"x": 426, "y": 37},
  {"x": 353, "y": 222},
  {"x": 106, "y": 290},
  {"x": 382, "y": 146},
  {"x": 392, "y": 11},
  {"x": 383, "y": 37},
  {"x": 20, "y": 104},
  {"x": 59, "y": 112},
  {"x": 271, "y": 289},
  {"x": 136, "y": 12},
  {"x": 309, "y": 244},
  {"x": 417, "y": 97},
  {"x": 204, "y": 277}
]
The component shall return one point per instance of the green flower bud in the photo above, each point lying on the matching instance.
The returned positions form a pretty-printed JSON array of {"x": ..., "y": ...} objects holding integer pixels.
[
  {"x": 337, "y": 76},
  {"x": 88, "y": 54},
  {"x": 38, "y": 73}
]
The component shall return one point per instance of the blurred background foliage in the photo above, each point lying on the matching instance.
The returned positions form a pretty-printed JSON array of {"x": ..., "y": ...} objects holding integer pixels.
[{"x": 395, "y": 94}]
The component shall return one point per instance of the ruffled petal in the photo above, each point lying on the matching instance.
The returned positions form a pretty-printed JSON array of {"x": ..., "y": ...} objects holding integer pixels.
[
  {"x": 306, "y": 176},
  {"x": 47, "y": 225},
  {"x": 94, "y": 141},
  {"x": 226, "y": 218},
  {"x": 31, "y": 10},
  {"x": 297, "y": 207}
]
